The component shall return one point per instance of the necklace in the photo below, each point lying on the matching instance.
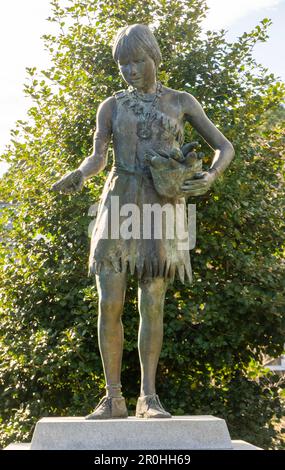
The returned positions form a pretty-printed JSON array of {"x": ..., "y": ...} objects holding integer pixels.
[{"x": 144, "y": 107}]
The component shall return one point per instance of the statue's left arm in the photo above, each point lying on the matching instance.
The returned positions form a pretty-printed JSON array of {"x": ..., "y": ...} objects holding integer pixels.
[{"x": 224, "y": 151}]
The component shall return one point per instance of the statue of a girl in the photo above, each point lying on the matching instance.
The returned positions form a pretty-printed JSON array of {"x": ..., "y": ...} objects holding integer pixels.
[{"x": 147, "y": 118}]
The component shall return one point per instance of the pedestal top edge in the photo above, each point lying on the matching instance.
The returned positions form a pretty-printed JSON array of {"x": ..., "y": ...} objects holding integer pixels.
[{"x": 81, "y": 419}]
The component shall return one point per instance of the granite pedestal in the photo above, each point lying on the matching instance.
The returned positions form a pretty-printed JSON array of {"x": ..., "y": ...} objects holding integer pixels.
[{"x": 178, "y": 432}]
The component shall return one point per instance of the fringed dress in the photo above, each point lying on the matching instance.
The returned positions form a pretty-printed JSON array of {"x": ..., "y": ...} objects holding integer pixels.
[{"x": 130, "y": 182}]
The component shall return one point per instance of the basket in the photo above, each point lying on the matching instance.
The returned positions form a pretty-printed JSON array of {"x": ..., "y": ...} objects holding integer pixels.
[{"x": 169, "y": 174}]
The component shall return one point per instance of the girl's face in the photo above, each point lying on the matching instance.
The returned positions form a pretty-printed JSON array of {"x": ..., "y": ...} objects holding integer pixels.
[{"x": 138, "y": 71}]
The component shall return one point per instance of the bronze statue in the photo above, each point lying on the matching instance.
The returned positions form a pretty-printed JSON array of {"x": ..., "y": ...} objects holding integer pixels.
[{"x": 146, "y": 122}]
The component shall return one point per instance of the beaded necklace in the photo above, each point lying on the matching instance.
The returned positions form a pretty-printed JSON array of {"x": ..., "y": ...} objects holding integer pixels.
[{"x": 146, "y": 114}]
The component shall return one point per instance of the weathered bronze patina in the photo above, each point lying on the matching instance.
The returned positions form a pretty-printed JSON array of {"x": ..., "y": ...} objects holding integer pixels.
[{"x": 151, "y": 166}]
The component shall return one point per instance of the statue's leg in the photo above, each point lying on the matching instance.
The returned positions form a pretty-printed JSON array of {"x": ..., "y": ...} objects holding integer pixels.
[
  {"x": 151, "y": 297},
  {"x": 111, "y": 288}
]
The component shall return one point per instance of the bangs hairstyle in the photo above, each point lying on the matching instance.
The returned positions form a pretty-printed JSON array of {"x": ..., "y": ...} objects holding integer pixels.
[{"x": 135, "y": 39}]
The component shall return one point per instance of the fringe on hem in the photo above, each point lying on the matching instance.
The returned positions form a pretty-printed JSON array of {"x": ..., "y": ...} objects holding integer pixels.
[{"x": 144, "y": 269}]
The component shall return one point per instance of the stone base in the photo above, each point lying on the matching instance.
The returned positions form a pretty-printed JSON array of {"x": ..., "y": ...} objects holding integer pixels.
[
  {"x": 236, "y": 445},
  {"x": 19, "y": 446},
  {"x": 178, "y": 432}
]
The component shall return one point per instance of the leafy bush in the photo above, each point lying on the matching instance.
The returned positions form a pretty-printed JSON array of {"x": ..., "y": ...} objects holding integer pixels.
[{"x": 218, "y": 329}]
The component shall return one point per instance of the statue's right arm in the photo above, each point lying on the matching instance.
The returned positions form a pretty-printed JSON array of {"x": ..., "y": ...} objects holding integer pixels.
[
  {"x": 74, "y": 180},
  {"x": 97, "y": 161}
]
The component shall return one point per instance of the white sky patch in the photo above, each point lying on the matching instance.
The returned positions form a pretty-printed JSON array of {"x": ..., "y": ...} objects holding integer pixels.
[
  {"x": 22, "y": 23},
  {"x": 223, "y": 13}
]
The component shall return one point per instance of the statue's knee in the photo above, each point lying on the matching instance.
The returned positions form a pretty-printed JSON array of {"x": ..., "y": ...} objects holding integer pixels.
[
  {"x": 153, "y": 302},
  {"x": 110, "y": 308},
  {"x": 152, "y": 312},
  {"x": 153, "y": 290}
]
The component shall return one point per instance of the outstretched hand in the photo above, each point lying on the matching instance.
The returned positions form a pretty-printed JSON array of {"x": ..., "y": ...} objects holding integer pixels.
[{"x": 69, "y": 183}]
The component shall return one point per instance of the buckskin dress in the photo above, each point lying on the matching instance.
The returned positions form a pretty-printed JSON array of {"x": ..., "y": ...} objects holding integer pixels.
[{"x": 130, "y": 182}]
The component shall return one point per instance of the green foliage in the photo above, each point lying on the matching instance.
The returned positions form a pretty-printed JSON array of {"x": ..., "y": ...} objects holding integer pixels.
[{"x": 218, "y": 329}]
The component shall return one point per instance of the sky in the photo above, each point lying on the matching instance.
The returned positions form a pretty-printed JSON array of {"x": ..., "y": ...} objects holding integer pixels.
[{"x": 23, "y": 22}]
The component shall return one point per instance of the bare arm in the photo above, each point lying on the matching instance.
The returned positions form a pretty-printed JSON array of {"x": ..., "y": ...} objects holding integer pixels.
[
  {"x": 74, "y": 180},
  {"x": 224, "y": 151},
  {"x": 98, "y": 160}
]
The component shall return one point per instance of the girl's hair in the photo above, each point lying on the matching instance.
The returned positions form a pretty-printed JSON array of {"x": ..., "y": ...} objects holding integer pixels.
[{"x": 134, "y": 39}]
